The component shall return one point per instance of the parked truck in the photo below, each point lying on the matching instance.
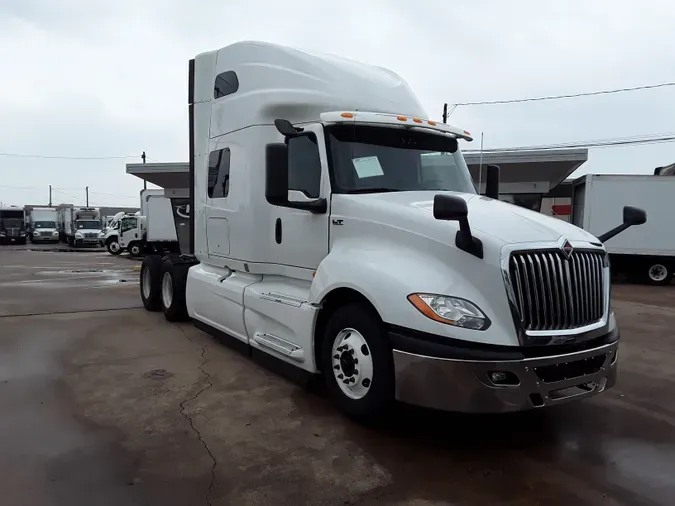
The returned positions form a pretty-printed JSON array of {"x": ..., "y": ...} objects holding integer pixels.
[
  {"x": 646, "y": 253},
  {"x": 43, "y": 222},
  {"x": 82, "y": 226},
  {"x": 154, "y": 231},
  {"x": 12, "y": 225},
  {"x": 319, "y": 236},
  {"x": 109, "y": 236}
]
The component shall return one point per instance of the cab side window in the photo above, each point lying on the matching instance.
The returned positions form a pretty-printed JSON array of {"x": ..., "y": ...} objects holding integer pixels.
[
  {"x": 304, "y": 165},
  {"x": 128, "y": 224},
  {"x": 219, "y": 174}
]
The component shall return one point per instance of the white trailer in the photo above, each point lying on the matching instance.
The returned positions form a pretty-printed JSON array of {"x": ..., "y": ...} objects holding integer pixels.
[
  {"x": 321, "y": 237},
  {"x": 152, "y": 232},
  {"x": 645, "y": 253},
  {"x": 44, "y": 224}
]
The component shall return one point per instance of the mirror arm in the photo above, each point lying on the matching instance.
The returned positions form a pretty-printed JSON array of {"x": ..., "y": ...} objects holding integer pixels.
[
  {"x": 319, "y": 206},
  {"x": 465, "y": 241},
  {"x": 615, "y": 231}
]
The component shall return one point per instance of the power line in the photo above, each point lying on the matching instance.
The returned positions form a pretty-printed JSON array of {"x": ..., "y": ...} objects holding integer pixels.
[
  {"x": 601, "y": 143},
  {"x": 23, "y": 155},
  {"x": 571, "y": 95}
]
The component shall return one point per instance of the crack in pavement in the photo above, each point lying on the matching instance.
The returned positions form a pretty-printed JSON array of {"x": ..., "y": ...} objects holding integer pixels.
[{"x": 191, "y": 421}]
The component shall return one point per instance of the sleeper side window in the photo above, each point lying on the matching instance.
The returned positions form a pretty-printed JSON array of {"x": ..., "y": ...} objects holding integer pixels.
[{"x": 219, "y": 174}]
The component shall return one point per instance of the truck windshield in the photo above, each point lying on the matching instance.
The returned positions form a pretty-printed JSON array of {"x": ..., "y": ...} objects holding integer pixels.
[
  {"x": 367, "y": 159},
  {"x": 12, "y": 222},
  {"x": 45, "y": 224},
  {"x": 89, "y": 224}
]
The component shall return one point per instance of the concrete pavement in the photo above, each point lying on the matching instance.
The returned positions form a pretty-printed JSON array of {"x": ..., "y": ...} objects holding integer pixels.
[{"x": 103, "y": 403}]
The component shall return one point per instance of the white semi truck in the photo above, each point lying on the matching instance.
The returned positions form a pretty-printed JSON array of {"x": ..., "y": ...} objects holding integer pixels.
[
  {"x": 44, "y": 225},
  {"x": 644, "y": 254},
  {"x": 319, "y": 236},
  {"x": 82, "y": 226},
  {"x": 153, "y": 229}
]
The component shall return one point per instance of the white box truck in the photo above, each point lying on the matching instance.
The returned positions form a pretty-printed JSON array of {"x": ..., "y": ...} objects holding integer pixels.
[
  {"x": 320, "y": 237},
  {"x": 44, "y": 225},
  {"x": 152, "y": 232},
  {"x": 645, "y": 253},
  {"x": 82, "y": 226}
]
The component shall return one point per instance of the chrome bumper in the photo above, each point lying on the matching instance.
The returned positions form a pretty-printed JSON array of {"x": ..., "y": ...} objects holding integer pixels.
[{"x": 465, "y": 385}]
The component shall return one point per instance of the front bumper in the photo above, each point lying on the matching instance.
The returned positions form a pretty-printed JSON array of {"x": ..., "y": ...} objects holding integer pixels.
[
  {"x": 44, "y": 238},
  {"x": 87, "y": 242},
  {"x": 458, "y": 379}
]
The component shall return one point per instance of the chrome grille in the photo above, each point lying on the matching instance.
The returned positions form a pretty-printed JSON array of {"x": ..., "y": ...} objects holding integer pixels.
[
  {"x": 45, "y": 234},
  {"x": 13, "y": 232},
  {"x": 554, "y": 293}
]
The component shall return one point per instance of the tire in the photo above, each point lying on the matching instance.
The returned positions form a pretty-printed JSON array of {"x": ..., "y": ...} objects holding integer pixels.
[
  {"x": 113, "y": 246},
  {"x": 151, "y": 279},
  {"x": 70, "y": 241},
  {"x": 658, "y": 273},
  {"x": 135, "y": 249},
  {"x": 356, "y": 330},
  {"x": 173, "y": 286}
]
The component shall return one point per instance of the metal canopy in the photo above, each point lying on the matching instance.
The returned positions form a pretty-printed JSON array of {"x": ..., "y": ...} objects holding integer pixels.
[
  {"x": 535, "y": 171},
  {"x": 165, "y": 175},
  {"x": 521, "y": 171}
]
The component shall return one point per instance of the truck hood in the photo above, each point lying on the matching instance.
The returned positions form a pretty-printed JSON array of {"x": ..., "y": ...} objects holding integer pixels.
[{"x": 505, "y": 222}]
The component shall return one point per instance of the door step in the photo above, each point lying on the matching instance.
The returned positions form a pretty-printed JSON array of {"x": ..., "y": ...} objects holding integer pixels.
[{"x": 279, "y": 345}]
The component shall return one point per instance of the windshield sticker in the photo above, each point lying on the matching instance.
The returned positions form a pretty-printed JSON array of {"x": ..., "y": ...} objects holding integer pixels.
[{"x": 367, "y": 166}]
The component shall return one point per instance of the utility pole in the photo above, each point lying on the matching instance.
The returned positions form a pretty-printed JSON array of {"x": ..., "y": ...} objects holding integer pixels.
[
  {"x": 50, "y": 195},
  {"x": 145, "y": 183},
  {"x": 445, "y": 113},
  {"x": 87, "y": 191}
]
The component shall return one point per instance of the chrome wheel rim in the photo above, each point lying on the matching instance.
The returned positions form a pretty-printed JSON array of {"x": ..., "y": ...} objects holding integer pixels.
[
  {"x": 167, "y": 290},
  {"x": 658, "y": 272},
  {"x": 114, "y": 246},
  {"x": 352, "y": 363},
  {"x": 145, "y": 283}
]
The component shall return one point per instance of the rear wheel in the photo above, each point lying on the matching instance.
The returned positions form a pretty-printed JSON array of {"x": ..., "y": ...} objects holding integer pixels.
[
  {"x": 659, "y": 273},
  {"x": 151, "y": 279},
  {"x": 357, "y": 362},
  {"x": 135, "y": 249},
  {"x": 113, "y": 246},
  {"x": 174, "y": 282}
]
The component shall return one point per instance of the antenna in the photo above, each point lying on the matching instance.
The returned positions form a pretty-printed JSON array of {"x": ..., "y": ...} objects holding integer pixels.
[{"x": 480, "y": 164}]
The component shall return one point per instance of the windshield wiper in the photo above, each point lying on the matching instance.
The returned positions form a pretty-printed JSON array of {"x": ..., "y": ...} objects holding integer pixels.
[{"x": 373, "y": 190}]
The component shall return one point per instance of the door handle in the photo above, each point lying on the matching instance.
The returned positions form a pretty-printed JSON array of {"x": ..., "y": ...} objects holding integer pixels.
[{"x": 277, "y": 231}]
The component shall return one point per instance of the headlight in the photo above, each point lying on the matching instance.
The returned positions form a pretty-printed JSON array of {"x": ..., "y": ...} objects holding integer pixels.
[
  {"x": 55, "y": 232},
  {"x": 450, "y": 310},
  {"x": 36, "y": 233},
  {"x": 78, "y": 234}
]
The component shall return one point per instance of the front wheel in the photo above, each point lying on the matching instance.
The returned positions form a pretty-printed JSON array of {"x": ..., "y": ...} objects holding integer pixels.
[
  {"x": 357, "y": 362},
  {"x": 113, "y": 246}
]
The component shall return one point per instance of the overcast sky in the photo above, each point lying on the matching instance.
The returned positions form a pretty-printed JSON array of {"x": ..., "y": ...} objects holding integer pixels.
[{"x": 93, "y": 78}]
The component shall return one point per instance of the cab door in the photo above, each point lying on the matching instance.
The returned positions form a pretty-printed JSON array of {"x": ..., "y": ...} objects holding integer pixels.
[
  {"x": 300, "y": 237},
  {"x": 128, "y": 231}
]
